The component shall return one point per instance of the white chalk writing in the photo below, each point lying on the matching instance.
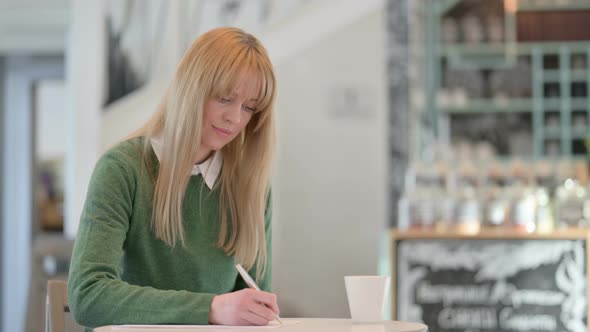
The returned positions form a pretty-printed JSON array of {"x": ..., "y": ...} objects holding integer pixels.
[
  {"x": 536, "y": 297},
  {"x": 450, "y": 294},
  {"x": 521, "y": 322},
  {"x": 467, "y": 318}
]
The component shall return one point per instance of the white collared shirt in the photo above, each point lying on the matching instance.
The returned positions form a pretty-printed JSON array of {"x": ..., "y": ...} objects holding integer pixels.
[{"x": 210, "y": 168}]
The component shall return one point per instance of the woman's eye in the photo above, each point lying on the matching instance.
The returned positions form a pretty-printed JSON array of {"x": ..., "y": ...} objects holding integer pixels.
[
  {"x": 224, "y": 100},
  {"x": 250, "y": 109}
]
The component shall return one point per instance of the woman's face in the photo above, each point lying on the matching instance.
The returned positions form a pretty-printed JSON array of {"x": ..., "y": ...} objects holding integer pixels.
[{"x": 224, "y": 118}]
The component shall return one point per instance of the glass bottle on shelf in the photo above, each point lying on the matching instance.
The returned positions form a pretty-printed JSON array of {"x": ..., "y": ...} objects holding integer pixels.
[
  {"x": 444, "y": 193},
  {"x": 582, "y": 174},
  {"x": 544, "y": 216},
  {"x": 444, "y": 200},
  {"x": 491, "y": 193},
  {"x": 523, "y": 198},
  {"x": 421, "y": 210},
  {"x": 545, "y": 183},
  {"x": 570, "y": 199},
  {"x": 407, "y": 200},
  {"x": 403, "y": 205},
  {"x": 496, "y": 203},
  {"x": 467, "y": 209},
  {"x": 417, "y": 207}
]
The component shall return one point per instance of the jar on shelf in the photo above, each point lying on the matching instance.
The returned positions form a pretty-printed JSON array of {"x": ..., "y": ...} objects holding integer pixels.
[
  {"x": 472, "y": 29},
  {"x": 468, "y": 211},
  {"x": 450, "y": 30},
  {"x": 498, "y": 86},
  {"x": 524, "y": 208},
  {"x": 473, "y": 83},
  {"x": 495, "y": 29},
  {"x": 552, "y": 121},
  {"x": 570, "y": 200},
  {"x": 580, "y": 121},
  {"x": 579, "y": 61},
  {"x": 520, "y": 188},
  {"x": 552, "y": 147},
  {"x": 497, "y": 207}
]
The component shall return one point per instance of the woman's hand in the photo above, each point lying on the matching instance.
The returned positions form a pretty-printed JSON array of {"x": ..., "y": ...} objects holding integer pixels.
[{"x": 244, "y": 307}]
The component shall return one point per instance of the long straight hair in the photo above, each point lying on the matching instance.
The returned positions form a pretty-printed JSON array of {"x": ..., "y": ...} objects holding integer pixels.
[{"x": 214, "y": 66}]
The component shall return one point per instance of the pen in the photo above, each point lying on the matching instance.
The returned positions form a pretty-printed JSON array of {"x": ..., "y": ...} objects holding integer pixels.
[{"x": 252, "y": 284}]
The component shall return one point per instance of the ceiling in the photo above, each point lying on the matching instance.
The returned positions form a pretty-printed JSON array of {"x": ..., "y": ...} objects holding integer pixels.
[
  {"x": 19, "y": 4},
  {"x": 33, "y": 26}
]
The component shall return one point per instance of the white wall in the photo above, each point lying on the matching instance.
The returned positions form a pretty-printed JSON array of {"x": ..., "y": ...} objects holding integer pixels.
[
  {"x": 331, "y": 179},
  {"x": 50, "y": 121},
  {"x": 85, "y": 70}
]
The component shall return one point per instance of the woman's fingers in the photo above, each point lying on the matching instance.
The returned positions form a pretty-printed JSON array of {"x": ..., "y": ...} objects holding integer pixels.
[
  {"x": 244, "y": 307},
  {"x": 262, "y": 310},
  {"x": 268, "y": 299},
  {"x": 252, "y": 318}
]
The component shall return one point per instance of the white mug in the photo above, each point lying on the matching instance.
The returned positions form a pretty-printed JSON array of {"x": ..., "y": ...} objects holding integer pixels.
[{"x": 366, "y": 297}]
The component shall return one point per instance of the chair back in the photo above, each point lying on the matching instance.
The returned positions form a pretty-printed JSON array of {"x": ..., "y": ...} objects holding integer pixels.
[{"x": 56, "y": 306}]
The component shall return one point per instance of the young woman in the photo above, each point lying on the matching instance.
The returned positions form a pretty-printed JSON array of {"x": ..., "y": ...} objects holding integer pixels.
[{"x": 172, "y": 209}]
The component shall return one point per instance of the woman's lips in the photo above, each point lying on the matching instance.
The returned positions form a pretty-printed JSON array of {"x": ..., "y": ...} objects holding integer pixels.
[{"x": 222, "y": 132}]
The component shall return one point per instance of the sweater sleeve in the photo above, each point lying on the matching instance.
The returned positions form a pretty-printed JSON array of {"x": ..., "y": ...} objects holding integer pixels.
[
  {"x": 265, "y": 283},
  {"x": 97, "y": 294}
]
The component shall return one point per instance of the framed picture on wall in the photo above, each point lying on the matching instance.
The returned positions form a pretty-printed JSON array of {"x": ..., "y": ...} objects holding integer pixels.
[{"x": 130, "y": 46}]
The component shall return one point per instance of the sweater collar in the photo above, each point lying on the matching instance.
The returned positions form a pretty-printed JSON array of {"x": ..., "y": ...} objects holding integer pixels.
[{"x": 210, "y": 168}]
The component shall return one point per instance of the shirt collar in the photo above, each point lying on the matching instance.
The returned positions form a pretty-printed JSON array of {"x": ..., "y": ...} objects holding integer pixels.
[{"x": 210, "y": 168}]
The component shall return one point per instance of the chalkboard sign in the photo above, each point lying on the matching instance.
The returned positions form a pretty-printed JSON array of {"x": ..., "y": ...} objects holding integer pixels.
[{"x": 492, "y": 283}]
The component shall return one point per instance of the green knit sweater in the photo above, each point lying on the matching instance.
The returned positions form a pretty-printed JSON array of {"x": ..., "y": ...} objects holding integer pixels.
[{"x": 121, "y": 273}]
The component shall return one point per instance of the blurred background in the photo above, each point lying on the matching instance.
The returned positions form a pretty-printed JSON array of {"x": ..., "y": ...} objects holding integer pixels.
[{"x": 392, "y": 114}]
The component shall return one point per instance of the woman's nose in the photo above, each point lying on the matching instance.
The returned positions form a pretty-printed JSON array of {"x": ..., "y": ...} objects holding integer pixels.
[{"x": 232, "y": 113}]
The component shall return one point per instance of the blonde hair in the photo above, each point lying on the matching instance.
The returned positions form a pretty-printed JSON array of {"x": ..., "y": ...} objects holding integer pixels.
[{"x": 214, "y": 65}]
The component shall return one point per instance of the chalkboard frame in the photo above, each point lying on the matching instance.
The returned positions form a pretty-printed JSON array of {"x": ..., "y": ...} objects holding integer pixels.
[{"x": 484, "y": 234}]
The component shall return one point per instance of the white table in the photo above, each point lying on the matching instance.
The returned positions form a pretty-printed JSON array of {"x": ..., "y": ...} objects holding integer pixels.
[{"x": 304, "y": 325}]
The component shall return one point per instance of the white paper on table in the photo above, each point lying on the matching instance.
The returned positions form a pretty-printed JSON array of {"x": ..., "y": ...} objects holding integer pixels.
[{"x": 273, "y": 324}]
